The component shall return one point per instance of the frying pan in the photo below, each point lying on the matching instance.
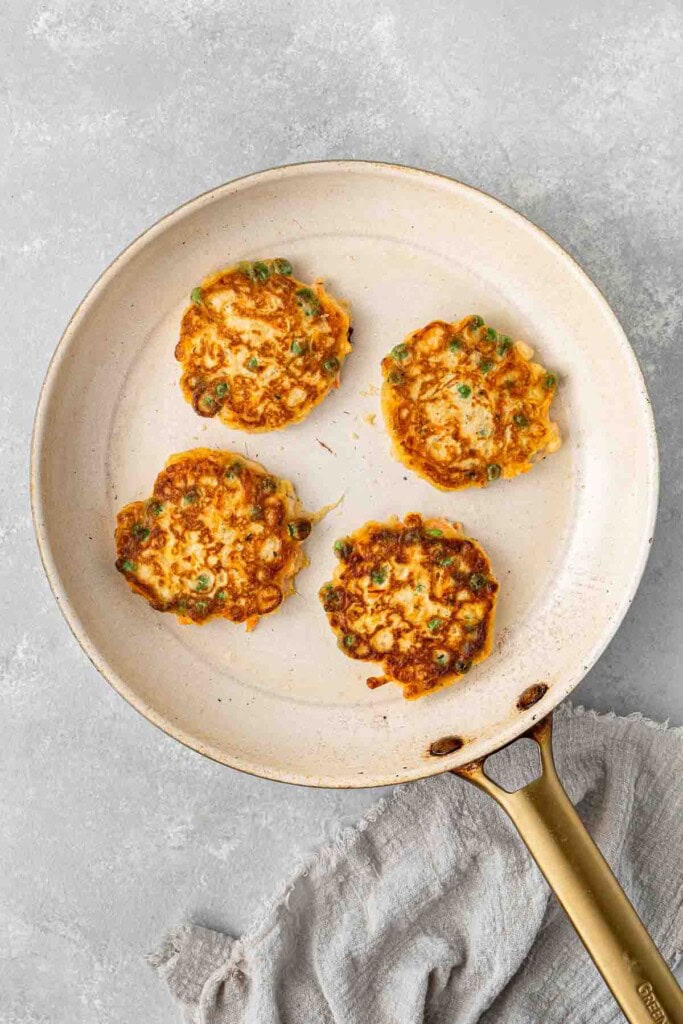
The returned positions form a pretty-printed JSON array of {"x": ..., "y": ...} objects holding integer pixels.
[{"x": 568, "y": 541}]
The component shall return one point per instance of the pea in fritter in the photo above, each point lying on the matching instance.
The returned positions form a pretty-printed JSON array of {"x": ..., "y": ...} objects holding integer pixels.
[
  {"x": 417, "y": 596},
  {"x": 220, "y": 537},
  {"x": 260, "y": 349},
  {"x": 465, "y": 405}
]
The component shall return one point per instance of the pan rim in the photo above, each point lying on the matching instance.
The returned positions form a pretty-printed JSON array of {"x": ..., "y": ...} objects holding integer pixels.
[{"x": 513, "y": 727}]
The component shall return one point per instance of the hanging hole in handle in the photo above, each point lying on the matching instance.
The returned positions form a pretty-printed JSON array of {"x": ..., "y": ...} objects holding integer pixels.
[{"x": 515, "y": 766}]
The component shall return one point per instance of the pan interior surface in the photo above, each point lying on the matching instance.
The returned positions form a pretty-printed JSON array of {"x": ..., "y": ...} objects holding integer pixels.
[{"x": 568, "y": 541}]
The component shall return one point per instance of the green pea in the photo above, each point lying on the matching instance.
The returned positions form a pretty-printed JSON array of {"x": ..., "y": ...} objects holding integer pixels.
[
  {"x": 442, "y": 658},
  {"x": 446, "y": 560},
  {"x": 203, "y": 582},
  {"x": 465, "y": 390},
  {"x": 234, "y": 470},
  {"x": 350, "y": 640},
  {"x": 434, "y": 532},
  {"x": 491, "y": 333},
  {"x": 189, "y": 498},
  {"x": 140, "y": 532},
  {"x": 477, "y": 581},
  {"x": 477, "y": 321},
  {"x": 493, "y": 471},
  {"x": 255, "y": 513},
  {"x": 550, "y": 381},
  {"x": 260, "y": 271},
  {"x": 400, "y": 352},
  {"x": 128, "y": 566},
  {"x": 342, "y": 548},
  {"x": 434, "y": 624},
  {"x": 220, "y": 596},
  {"x": 332, "y": 599},
  {"x": 454, "y": 345},
  {"x": 299, "y": 529},
  {"x": 379, "y": 576},
  {"x": 252, "y": 363},
  {"x": 282, "y": 267},
  {"x": 221, "y": 389},
  {"x": 396, "y": 377},
  {"x": 520, "y": 420},
  {"x": 156, "y": 507},
  {"x": 299, "y": 347},
  {"x": 485, "y": 365},
  {"x": 419, "y": 588},
  {"x": 308, "y": 302},
  {"x": 504, "y": 344},
  {"x": 206, "y": 401},
  {"x": 196, "y": 296},
  {"x": 331, "y": 365}
]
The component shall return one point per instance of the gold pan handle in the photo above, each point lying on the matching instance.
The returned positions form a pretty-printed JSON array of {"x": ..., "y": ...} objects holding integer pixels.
[{"x": 590, "y": 895}]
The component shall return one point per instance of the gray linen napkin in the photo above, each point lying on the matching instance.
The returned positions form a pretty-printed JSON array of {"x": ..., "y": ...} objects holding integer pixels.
[{"x": 431, "y": 909}]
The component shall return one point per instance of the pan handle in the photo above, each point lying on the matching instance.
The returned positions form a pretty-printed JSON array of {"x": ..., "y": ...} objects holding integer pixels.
[{"x": 590, "y": 895}]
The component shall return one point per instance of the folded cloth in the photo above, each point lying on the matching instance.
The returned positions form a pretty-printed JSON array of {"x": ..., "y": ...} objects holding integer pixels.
[{"x": 431, "y": 908}]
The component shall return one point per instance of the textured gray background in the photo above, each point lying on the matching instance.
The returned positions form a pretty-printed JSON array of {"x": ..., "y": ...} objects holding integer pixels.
[{"x": 112, "y": 115}]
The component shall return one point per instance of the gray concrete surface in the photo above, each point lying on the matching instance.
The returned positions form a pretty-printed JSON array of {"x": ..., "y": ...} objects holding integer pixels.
[{"x": 112, "y": 114}]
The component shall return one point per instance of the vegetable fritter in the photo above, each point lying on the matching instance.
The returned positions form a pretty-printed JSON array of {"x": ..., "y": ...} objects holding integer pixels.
[
  {"x": 220, "y": 537},
  {"x": 465, "y": 405},
  {"x": 417, "y": 596},
  {"x": 260, "y": 349}
]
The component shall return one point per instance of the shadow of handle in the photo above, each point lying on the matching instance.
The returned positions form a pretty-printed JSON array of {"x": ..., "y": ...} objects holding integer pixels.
[{"x": 580, "y": 877}]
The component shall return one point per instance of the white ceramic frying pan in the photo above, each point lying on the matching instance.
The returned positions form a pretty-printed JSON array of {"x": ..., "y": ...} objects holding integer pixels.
[{"x": 568, "y": 541}]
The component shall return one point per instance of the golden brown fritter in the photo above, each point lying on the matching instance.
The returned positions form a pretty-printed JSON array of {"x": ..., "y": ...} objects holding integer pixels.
[
  {"x": 260, "y": 349},
  {"x": 417, "y": 596},
  {"x": 220, "y": 537},
  {"x": 465, "y": 405}
]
